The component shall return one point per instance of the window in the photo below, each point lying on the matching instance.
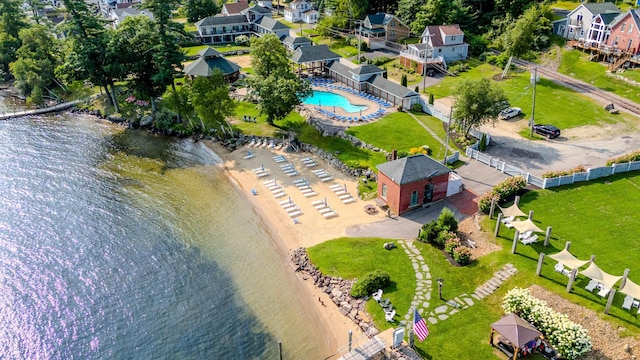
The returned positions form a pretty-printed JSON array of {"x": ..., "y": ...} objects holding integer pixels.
[
  {"x": 570, "y": 30},
  {"x": 453, "y": 38},
  {"x": 414, "y": 198},
  {"x": 384, "y": 191},
  {"x": 623, "y": 25},
  {"x": 440, "y": 50},
  {"x": 581, "y": 32},
  {"x": 393, "y": 34},
  {"x": 579, "y": 17},
  {"x": 393, "y": 23},
  {"x": 615, "y": 42},
  {"x": 630, "y": 28}
]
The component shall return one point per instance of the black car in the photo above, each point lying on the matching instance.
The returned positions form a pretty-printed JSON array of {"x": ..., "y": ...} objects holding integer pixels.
[{"x": 548, "y": 131}]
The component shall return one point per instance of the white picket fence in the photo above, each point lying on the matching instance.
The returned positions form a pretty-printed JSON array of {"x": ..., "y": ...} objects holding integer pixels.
[{"x": 545, "y": 183}]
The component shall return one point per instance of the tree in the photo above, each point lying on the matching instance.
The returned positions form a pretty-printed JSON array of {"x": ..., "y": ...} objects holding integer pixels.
[
  {"x": 177, "y": 99},
  {"x": 37, "y": 59},
  {"x": 433, "y": 12},
  {"x": 407, "y": 10},
  {"x": 87, "y": 58},
  {"x": 477, "y": 102},
  {"x": 200, "y": 9},
  {"x": 167, "y": 54},
  {"x": 403, "y": 80},
  {"x": 10, "y": 25},
  {"x": 274, "y": 82},
  {"x": 531, "y": 31},
  {"x": 211, "y": 100}
]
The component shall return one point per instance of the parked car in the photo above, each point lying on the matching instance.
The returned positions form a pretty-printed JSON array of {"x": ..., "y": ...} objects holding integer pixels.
[
  {"x": 548, "y": 131},
  {"x": 509, "y": 113}
]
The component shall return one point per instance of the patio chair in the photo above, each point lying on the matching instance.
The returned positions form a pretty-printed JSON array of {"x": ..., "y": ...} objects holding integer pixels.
[
  {"x": 526, "y": 234},
  {"x": 377, "y": 295},
  {"x": 591, "y": 285},
  {"x": 559, "y": 267},
  {"x": 508, "y": 219},
  {"x": 389, "y": 315},
  {"x": 604, "y": 291},
  {"x": 628, "y": 300},
  {"x": 530, "y": 240}
]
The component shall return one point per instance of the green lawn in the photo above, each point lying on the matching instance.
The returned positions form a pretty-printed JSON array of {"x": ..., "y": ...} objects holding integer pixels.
[
  {"x": 338, "y": 46},
  {"x": 353, "y": 258},
  {"x": 194, "y": 50},
  {"x": 394, "y": 72},
  {"x": 632, "y": 74},
  {"x": 398, "y": 131},
  {"x": 555, "y": 104}
]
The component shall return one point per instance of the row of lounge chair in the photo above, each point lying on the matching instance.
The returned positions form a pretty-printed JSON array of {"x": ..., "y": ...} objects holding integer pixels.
[
  {"x": 247, "y": 118},
  {"x": 276, "y": 189},
  {"x": 261, "y": 172},
  {"x": 323, "y": 207},
  {"x": 304, "y": 187},
  {"x": 369, "y": 97},
  {"x": 308, "y": 162},
  {"x": 341, "y": 192},
  {"x": 323, "y": 175},
  {"x": 289, "y": 169},
  {"x": 320, "y": 81},
  {"x": 351, "y": 119},
  {"x": 389, "y": 311},
  {"x": 264, "y": 143}
]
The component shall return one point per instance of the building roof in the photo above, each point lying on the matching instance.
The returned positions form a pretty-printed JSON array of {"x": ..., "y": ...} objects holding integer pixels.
[
  {"x": 412, "y": 168},
  {"x": 633, "y": 13},
  {"x": 379, "y": 18},
  {"x": 608, "y": 18},
  {"x": 257, "y": 9},
  {"x": 271, "y": 24},
  {"x": 132, "y": 11},
  {"x": 436, "y": 32},
  {"x": 601, "y": 8},
  {"x": 392, "y": 88},
  {"x": 222, "y": 20},
  {"x": 236, "y": 7},
  {"x": 306, "y": 54},
  {"x": 206, "y": 66},
  {"x": 209, "y": 52},
  {"x": 367, "y": 69},
  {"x": 298, "y": 40}
]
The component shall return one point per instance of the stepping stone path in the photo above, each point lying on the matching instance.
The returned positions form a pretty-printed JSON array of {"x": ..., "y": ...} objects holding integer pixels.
[{"x": 424, "y": 285}]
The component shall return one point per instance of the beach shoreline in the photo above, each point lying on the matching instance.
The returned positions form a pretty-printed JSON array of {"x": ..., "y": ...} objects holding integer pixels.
[{"x": 309, "y": 229}]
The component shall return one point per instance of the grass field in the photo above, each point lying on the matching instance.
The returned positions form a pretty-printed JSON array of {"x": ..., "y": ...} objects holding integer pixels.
[
  {"x": 399, "y": 131},
  {"x": 555, "y": 104},
  {"x": 570, "y": 5},
  {"x": 599, "y": 218}
]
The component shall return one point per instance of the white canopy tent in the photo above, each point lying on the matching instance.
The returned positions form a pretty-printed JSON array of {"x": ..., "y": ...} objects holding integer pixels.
[
  {"x": 567, "y": 259},
  {"x": 630, "y": 288},
  {"x": 512, "y": 210},
  {"x": 595, "y": 273},
  {"x": 526, "y": 225}
]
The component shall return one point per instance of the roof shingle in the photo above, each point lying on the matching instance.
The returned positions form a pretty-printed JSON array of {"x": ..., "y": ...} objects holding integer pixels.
[{"x": 412, "y": 168}]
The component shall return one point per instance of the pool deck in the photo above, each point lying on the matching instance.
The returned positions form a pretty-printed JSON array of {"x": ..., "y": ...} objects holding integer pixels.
[{"x": 372, "y": 108}]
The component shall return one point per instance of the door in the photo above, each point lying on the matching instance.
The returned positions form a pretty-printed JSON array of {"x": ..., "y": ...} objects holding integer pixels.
[{"x": 428, "y": 193}]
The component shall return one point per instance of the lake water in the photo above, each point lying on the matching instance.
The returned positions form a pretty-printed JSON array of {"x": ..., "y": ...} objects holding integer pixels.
[{"x": 121, "y": 244}]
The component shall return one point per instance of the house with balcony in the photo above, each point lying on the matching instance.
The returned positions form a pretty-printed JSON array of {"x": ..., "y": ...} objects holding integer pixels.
[
  {"x": 439, "y": 45},
  {"x": 381, "y": 26},
  {"x": 625, "y": 33},
  {"x": 301, "y": 11},
  {"x": 222, "y": 29},
  {"x": 587, "y": 22}
]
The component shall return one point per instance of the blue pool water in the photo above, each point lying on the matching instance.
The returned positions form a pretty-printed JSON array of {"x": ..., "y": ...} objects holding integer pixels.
[{"x": 323, "y": 98}]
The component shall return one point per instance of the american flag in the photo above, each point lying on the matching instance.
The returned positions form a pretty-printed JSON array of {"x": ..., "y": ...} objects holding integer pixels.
[{"x": 419, "y": 326}]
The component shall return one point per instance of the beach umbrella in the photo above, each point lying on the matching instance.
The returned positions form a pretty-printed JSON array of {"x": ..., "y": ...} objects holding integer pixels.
[{"x": 345, "y": 187}]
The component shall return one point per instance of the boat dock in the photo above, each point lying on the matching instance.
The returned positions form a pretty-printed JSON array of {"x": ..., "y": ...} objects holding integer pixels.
[{"x": 40, "y": 111}]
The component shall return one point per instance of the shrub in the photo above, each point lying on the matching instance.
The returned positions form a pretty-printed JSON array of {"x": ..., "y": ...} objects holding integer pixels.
[
  {"x": 417, "y": 89},
  {"x": 571, "y": 340},
  {"x": 403, "y": 80},
  {"x": 370, "y": 283},
  {"x": 416, "y": 107},
  {"x": 402, "y": 154},
  {"x": 501, "y": 191},
  {"x": 431, "y": 99},
  {"x": 462, "y": 255},
  {"x": 164, "y": 119},
  {"x": 553, "y": 174},
  {"x": 443, "y": 236},
  {"x": 451, "y": 244},
  {"x": 424, "y": 149},
  {"x": 447, "y": 220},
  {"x": 242, "y": 40},
  {"x": 380, "y": 60},
  {"x": 632, "y": 156},
  {"x": 458, "y": 68},
  {"x": 482, "y": 146},
  {"x": 384, "y": 74},
  {"x": 429, "y": 232}
]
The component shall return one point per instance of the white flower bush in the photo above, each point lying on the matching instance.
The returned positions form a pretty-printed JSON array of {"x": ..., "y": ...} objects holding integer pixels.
[{"x": 571, "y": 340}]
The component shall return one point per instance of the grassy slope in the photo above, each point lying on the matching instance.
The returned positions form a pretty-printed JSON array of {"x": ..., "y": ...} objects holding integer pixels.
[{"x": 392, "y": 132}]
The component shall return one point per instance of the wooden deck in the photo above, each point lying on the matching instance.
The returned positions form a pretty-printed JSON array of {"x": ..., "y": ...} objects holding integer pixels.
[{"x": 614, "y": 56}]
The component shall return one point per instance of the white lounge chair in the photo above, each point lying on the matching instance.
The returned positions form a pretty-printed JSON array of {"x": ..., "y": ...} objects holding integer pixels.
[
  {"x": 296, "y": 213},
  {"x": 604, "y": 291},
  {"x": 348, "y": 201},
  {"x": 330, "y": 215},
  {"x": 530, "y": 240},
  {"x": 377, "y": 296},
  {"x": 526, "y": 234},
  {"x": 559, "y": 268},
  {"x": 591, "y": 285},
  {"x": 628, "y": 301},
  {"x": 508, "y": 219},
  {"x": 389, "y": 315}
]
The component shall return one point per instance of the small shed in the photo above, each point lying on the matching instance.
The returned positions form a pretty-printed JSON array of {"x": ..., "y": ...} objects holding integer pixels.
[{"x": 412, "y": 182}]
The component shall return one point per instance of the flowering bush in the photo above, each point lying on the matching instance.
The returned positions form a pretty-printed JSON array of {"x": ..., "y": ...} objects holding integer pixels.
[
  {"x": 632, "y": 156},
  {"x": 451, "y": 244},
  {"x": 553, "y": 174},
  {"x": 444, "y": 236},
  {"x": 571, "y": 340},
  {"x": 132, "y": 100},
  {"x": 462, "y": 255},
  {"x": 501, "y": 191}
]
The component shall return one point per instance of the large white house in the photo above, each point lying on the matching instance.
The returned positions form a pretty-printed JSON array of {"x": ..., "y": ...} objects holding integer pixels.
[
  {"x": 301, "y": 11},
  {"x": 439, "y": 45},
  {"x": 588, "y": 21}
]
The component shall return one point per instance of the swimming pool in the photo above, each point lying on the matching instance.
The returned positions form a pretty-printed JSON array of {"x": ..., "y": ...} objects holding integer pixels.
[{"x": 323, "y": 98}]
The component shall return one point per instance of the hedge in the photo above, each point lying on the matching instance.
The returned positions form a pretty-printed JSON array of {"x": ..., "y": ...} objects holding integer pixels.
[
  {"x": 632, "y": 156},
  {"x": 501, "y": 191},
  {"x": 370, "y": 283},
  {"x": 558, "y": 173}
]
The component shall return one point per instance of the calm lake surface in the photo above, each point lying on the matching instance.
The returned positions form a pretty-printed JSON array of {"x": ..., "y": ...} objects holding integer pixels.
[{"x": 120, "y": 244}]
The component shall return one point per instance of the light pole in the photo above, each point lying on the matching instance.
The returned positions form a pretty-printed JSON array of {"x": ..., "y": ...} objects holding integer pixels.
[
  {"x": 534, "y": 81},
  {"x": 446, "y": 134},
  {"x": 359, "y": 22},
  {"x": 440, "y": 284}
]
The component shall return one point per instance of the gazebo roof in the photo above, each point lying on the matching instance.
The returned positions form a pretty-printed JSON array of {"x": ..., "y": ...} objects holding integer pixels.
[
  {"x": 206, "y": 67},
  {"x": 516, "y": 330},
  {"x": 209, "y": 52},
  {"x": 313, "y": 53},
  {"x": 631, "y": 288},
  {"x": 597, "y": 274},
  {"x": 526, "y": 225},
  {"x": 512, "y": 210},
  {"x": 566, "y": 258}
]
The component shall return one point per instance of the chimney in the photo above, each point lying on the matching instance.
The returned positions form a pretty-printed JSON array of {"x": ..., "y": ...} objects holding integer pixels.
[{"x": 394, "y": 154}]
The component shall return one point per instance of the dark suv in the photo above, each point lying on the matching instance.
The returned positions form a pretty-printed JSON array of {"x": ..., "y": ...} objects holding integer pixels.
[{"x": 548, "y": 131}]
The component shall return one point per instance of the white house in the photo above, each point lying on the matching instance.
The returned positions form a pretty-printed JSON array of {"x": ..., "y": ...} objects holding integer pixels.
[
  {"x": 583, "y": 22},
  {"x": 117, "y": 16},
  {"x": 301, "y": 11},
  {"x": 439, "y": 45}
]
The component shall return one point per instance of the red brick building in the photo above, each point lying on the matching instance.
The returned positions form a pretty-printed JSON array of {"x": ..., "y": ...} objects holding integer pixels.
[
  {"x": 625, "y": 32},
  {"x": 409, "y": 183}
]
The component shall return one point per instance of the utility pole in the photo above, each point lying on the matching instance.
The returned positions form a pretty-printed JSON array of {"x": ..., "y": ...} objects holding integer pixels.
[
  {"x": 534, "y": 81},
  {"x": 359, "y": 38},
  {"x": 446, "y": 134}
]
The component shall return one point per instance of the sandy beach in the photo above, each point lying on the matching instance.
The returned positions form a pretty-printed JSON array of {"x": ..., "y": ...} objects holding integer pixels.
[{"x": 309, "y": 228}]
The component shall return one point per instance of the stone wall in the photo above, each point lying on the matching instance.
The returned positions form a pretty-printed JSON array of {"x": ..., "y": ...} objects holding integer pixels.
[{"x": 338, "y": 290}]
